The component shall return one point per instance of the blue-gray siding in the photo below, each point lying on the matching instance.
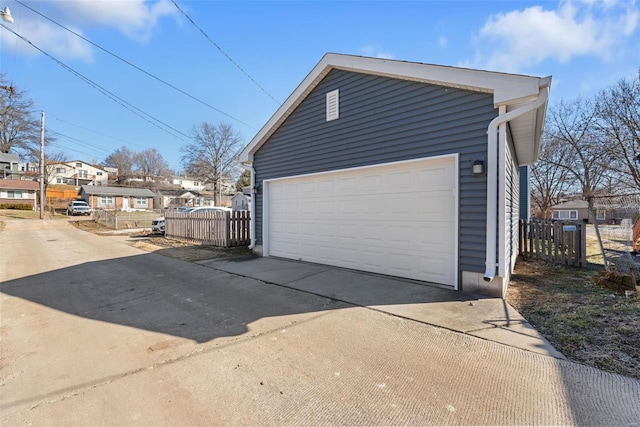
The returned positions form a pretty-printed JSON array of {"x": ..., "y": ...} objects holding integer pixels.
[{"x": 385, "y": 120}]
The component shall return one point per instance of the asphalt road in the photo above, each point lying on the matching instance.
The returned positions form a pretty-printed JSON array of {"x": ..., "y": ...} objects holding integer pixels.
[{"x": 95, "y": 332}]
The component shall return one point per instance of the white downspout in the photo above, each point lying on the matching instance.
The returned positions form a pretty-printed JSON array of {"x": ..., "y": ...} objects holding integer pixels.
[
  {"x": 492, "y": 177},
  {"x": 252, "y": 209}
]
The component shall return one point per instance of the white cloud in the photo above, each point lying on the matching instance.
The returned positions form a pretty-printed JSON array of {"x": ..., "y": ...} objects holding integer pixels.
[
  {"x": 135, "y": 18},
  {"x": 443, "y": 41},
  {"x": 375, "y": 52},
  {"x": 51, "y": 39},
  {"x": 519, "y": 39}
]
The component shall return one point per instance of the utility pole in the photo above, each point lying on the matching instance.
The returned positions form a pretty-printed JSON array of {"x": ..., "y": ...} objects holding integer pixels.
[{"x": 42, "y": 166}]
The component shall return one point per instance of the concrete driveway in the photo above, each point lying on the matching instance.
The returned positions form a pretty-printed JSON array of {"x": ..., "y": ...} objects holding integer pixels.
[{"x": 95, "y": 332}]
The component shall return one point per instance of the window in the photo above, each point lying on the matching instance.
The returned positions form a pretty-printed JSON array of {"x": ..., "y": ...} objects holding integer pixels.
[
  {"x": 78, "y": 165},
  {"x": 141, "y": 202},
  {"x": 106, "y": 201},
  {"x": 565, "y": 215},
  {"x": 82, "y": 173},
  {"x": 61, "y": 170},
  {"x": 601, "y": 215},
  {"x": 14, "y": 194},
  {"x": 59, "y": 180},
  {"x": 99, "y": 173}
]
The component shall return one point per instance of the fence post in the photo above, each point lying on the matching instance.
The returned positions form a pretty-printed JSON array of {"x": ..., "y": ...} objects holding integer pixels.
[{"x": 583, "y": 244}]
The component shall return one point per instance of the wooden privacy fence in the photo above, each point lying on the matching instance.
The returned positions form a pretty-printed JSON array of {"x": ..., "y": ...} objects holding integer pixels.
[
  {"x": 216, "y": 228},
  {"x": 554, "y": 241}
]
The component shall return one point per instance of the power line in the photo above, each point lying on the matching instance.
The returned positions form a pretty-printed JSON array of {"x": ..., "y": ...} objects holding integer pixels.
[
  {"x": 78, "y": 141},
  {"x": 135, "y": 66},
  {"x": 96, "y": 132},
  {"x": 135, "y": 110},
  {"x": 223, "y": 52}
]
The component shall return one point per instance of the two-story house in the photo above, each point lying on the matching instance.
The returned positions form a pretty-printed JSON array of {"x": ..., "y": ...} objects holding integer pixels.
[
  {"x": 188, "y": 183},
  {"x": 77, "y": 173}
]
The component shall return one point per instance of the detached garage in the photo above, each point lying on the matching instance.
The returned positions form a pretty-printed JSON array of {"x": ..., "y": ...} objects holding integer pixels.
[{"x": 398, "y": 168}]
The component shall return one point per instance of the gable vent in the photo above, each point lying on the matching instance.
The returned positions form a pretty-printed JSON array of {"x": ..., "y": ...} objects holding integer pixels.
[{"x": 333, "y": 105}]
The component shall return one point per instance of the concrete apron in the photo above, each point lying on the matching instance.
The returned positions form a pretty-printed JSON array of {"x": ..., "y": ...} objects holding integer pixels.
[{"x": 483, "y": 317}]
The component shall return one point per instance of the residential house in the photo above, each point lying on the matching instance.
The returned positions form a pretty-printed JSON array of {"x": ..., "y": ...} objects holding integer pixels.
[
  {"x": 18, "y": 192},
  {"x": 609, "y": 213},
  {"x": 117, "y": 198},
  {"x": 169, "y": 198},
  {"x": 77, "y": 173},
  {"x": 188, "y": 183},
  {"x": 9, "y": 166},
  {"x": 399, "y": 168},
  {"x": 240, "y": 202}
]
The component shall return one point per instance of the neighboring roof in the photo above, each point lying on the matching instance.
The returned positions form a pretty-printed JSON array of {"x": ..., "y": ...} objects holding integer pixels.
[
  {"x": 509, "y": 90},
  {"x": 179, "y": 193},
  {"x": 241, "y": 195},
  {"x": 17, "y": 184},
  {"x": 98, "y": 190},
  {"x": 9, "y": 158},
  {"x": 572, "y": 204}
]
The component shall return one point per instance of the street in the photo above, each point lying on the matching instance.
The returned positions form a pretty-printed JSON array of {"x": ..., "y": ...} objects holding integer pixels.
[{"x": 96, "y": 332}]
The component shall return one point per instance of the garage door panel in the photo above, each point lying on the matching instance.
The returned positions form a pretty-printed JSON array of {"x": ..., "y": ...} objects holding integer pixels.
[{"x": 390, "y": 219}]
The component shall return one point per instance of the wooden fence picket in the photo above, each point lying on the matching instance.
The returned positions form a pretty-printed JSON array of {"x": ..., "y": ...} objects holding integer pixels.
[
  {"x": 215, "y": 228},
  {"x": 553, "y": 241}
]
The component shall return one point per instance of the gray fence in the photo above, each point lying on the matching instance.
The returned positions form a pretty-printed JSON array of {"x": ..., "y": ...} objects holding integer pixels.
[
  {"x": 216, "y": 228},
  {"x": 125, "y": 220},
  {"x": 554, "y": 241}
]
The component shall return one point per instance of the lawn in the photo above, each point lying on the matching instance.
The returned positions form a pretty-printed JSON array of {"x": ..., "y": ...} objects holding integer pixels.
[{"x": 586, "y": 322}]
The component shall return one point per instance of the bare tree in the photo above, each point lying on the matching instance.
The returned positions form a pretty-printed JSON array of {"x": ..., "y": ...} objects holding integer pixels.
[
  {"x": 549, "y": 180},
  {"x": 573, "y": 125},
  {"x": 53, "y": 160},
  {"x": 151, "y": 163},
  {"x": 19, "y": 129},
  {"x": 618, "y": 114},
  {"x": 213, "y": 153},
  {"x": 123, "y": 159}
]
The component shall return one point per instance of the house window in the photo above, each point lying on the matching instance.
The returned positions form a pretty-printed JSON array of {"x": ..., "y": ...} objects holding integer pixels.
[
  {"x": 59, "y": 181},
  {"x": 99, "y": 173},
  {"x": 196, "y": 184},
  {"x": 106, "y": 202},
  {"x": 601, "y": 215},
  {"x": 565, "y": 215},
  {"x": 61, "y": 170},
  {"x": 78, "y": 165},
  {"x": 82, "y": 173},
  {"x": 141, "y": 202},
  {"x": 14, "y": 194}
]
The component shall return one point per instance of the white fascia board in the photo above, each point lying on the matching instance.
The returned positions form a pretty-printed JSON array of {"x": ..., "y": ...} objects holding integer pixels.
[{"x": 506, "y": 88}]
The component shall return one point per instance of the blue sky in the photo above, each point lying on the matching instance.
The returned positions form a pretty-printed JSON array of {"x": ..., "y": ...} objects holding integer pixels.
[{"x": 584, "y": 45}]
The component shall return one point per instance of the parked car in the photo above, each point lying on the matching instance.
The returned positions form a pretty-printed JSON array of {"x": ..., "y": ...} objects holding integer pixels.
[
  {"x": 209, "y": 209},
  {"x": 78, "y": 207},
  {"x": 157, "y": 225}
]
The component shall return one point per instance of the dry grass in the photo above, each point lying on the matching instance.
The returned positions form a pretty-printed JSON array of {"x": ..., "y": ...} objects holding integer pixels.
[
  {"x": 186, "y": 251},
  {"x": 585, "y": 322}
]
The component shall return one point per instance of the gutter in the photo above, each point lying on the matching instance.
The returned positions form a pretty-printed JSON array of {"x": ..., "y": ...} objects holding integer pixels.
[
  {"x": 492, "y": 178},
  {"x": 252, "y": 210}
]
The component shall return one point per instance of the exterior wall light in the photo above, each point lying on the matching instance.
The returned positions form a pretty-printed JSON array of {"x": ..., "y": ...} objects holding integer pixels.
[{"x": 478, "y": 167}]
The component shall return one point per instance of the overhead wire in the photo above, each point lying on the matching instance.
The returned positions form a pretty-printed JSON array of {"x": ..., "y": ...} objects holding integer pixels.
[
  {"x": 135, "y": 110},
  {"x": 135, "y": 66},
  {"x": 96, "y": 132},
  {"x": 223, "y": 52}
]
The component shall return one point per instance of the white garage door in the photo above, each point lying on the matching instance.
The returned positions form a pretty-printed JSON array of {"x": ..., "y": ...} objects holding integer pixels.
[{"x": 397, "y": 219}]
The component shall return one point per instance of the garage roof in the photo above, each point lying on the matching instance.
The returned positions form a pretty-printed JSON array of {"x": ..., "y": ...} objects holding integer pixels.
[{"x": 509, "y": 90}]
